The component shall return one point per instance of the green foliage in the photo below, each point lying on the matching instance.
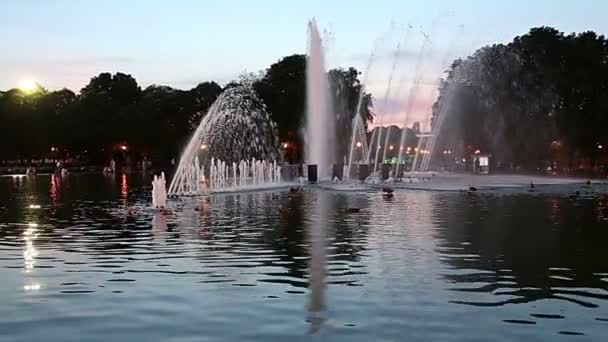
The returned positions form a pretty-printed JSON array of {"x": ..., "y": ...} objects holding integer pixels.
[
  {"x": 113, "y": 109},
  {"x": 283, "y": 89}
]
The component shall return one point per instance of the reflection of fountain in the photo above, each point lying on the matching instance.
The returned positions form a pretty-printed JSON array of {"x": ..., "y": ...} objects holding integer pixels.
[
  {"x": 159, "y": 223},
  {"x": 317, "y": 236},
  {"x": 319, "y": 120},
  {"x": 236, "y": 128}
]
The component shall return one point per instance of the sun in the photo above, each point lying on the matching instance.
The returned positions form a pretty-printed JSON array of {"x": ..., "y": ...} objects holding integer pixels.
[{"x": 27, "y": 85}]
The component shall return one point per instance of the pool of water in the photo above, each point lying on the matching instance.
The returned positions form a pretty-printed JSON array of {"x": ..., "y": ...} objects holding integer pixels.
[{"x": 83, "y": 258}]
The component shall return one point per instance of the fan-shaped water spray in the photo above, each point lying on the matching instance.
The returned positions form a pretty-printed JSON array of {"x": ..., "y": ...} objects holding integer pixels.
[{"x": 236, "y": 140}]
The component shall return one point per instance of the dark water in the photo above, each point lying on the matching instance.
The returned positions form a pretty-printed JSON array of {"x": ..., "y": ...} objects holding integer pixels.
[{"x": 93, "y": 263}]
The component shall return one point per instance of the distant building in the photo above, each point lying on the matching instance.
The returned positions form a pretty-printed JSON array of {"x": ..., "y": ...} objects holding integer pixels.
[{"x": 416, "y": 127}]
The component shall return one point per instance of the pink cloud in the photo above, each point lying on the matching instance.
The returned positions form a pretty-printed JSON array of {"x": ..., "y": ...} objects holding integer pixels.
[{"x": 393, "y": 111}]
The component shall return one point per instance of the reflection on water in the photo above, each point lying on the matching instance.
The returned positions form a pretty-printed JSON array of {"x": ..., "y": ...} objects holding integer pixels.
[
  {"x": 527, "y": 249},
  {"x": 277, "y": 266},
  {"x": 30, "y": 253},
  {"x": 317, "y": 235}
]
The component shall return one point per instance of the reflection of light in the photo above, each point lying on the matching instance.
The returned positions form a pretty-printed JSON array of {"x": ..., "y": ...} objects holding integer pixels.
[
  {"x": 124, "y": 186},
  {"x": 53, "y": 191},
  {"x": 32, "y": 287},
  {"x": 34, "y": 206},
  {"x": 30, "y": 253},
  {"x": 358, "y": 144}
]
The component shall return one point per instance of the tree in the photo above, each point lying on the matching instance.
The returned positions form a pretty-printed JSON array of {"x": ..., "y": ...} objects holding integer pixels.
[
  {"x": 283, "y": 89},
  {"x": 516, "y": 100}
]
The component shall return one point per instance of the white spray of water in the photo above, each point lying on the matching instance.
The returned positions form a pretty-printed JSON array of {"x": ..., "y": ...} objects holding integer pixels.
[{"x": 320, "y": 122}]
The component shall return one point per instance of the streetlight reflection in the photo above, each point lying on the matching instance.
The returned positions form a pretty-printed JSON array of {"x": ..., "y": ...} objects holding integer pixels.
[{"x": 30, "y": 253}]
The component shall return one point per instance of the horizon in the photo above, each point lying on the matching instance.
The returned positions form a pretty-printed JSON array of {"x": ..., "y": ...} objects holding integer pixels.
[{"x": 63, "y": 44}]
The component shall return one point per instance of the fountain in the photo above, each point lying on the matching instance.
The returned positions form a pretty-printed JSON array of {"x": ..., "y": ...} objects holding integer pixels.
[
  {"x": 320, "y": 130},
  {"x": 236, "y": 145},
  {"x": 159, "y": 192}
]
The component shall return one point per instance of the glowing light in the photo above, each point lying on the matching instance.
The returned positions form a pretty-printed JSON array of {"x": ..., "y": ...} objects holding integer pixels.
[
  {"x": 477, "y": 151},
  {"x": 358, "y": 144},
  {"x": 416, "y": 149},
  {"x": 27, "y": 85},
  {"x": 53, "y": 149},
  {"x": 123, "y": 147},
  {"x": 204, "y": 147},
  {"x": 600, "y": 147},
  {"x": 285, "y": 145},
  {"x": 390, "y": 147},
  {"x": 401, "y": 148},
  {"x": 34, "y": 206}
]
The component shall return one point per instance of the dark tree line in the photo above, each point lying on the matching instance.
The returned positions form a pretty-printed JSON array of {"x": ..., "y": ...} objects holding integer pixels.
[
  {"x": 112, "y": 111},
  {"x": 536, "y": 101}
]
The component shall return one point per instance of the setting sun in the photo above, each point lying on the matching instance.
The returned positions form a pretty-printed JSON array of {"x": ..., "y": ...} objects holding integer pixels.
[{"x": 27, "y": 85}]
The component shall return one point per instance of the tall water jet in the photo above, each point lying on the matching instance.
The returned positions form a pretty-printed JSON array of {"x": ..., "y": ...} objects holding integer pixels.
[{"x": 320, "y": 123}]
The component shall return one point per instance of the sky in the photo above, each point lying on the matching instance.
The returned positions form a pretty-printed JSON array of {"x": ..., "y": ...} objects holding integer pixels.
[{"x": 180, "y": 43}]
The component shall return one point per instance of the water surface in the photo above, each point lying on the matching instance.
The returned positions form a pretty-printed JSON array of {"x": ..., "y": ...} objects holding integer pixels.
[{"x": 83, "y": 258}]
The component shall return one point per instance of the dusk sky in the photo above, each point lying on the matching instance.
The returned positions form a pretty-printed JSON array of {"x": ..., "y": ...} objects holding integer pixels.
[{"x": 62, "y": 43}]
